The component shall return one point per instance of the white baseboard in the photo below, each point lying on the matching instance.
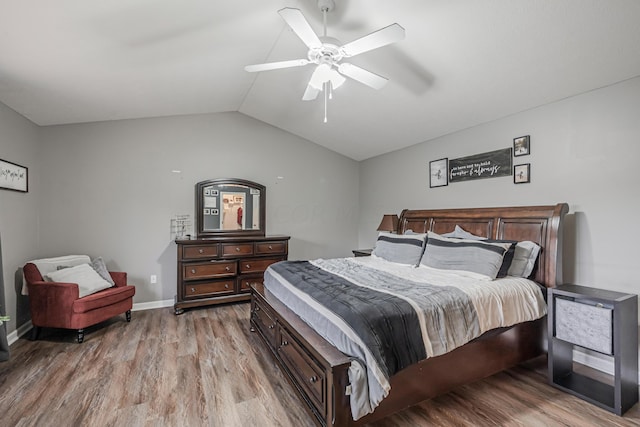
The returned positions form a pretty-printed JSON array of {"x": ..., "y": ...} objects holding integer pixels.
[
  {"x": 594, "y": 360},
  {"x": 23, "y": 329},
  {"x": 153, "y": 304}
]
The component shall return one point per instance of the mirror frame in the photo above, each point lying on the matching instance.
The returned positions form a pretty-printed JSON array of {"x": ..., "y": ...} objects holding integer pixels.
[{"x": 203, "y": 234}]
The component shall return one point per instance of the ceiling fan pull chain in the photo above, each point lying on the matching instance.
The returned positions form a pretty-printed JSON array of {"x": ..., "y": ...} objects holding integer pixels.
[{"x": 326, "y": 99}]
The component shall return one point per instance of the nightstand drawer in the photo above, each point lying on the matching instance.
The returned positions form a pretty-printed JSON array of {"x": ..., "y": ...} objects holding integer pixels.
[{"x": 587, "y": 325}]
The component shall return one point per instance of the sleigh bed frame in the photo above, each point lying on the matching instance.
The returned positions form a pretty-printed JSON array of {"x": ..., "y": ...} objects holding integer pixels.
[{"x": 319, "y": 372}]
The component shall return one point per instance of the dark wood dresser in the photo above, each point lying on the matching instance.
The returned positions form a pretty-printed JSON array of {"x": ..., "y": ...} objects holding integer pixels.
[{"x": 221, "y": 269}]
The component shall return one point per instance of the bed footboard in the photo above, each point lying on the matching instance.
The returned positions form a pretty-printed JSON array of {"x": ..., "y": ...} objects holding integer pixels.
[{"x": 317, "y": 370}]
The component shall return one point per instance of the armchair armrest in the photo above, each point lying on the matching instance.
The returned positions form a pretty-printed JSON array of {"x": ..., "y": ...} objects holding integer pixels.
[
  {"x": 52, "y": 300},
  {"x": 119, "y": 277}
]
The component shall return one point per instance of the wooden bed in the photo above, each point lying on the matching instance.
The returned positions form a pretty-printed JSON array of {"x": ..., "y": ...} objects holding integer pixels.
[{"x": 319, "y": 372}]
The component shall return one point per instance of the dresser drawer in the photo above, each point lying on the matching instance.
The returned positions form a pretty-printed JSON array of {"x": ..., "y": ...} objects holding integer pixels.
[
  {"x": 207, "y": 270},
  {"x": 216, "y": 287},
  {"x": 236, "y": 249},
  {"x": 245, "y": 282},
  {"x": 199, "y": 251},
  {"x": 256, "y": 265},
  {"x": 275, "y": 248},
  {"x": 266, "y": 322},
  {"x": 307, "y": 372}
]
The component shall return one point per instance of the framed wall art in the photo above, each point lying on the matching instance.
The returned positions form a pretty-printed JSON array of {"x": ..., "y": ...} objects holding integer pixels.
[
  {"x": 438, "y": 173},
  {"x": 14, "y": 177},
  {"x": 521, "y": 146},
  {"x": 522, "y": 173}
]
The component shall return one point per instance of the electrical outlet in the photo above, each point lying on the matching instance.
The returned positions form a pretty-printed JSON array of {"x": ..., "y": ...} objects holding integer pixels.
[{"x": 154, "y": 279}]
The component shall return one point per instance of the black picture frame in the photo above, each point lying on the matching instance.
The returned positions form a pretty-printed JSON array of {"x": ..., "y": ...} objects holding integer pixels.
[
  {"x": 14, "y": 177},
  {"x": 439, "y": 173},
  {"x": 522, "y": 173},
  {"x": 522, "y": 146}
]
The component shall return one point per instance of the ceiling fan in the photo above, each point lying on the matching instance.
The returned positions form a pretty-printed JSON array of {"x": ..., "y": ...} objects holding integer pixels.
[{"x": 327, "y": 53}]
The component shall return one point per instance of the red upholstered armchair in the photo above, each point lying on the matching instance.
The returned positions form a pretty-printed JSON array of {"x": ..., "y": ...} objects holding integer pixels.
[{"x": 58, "y": 305}]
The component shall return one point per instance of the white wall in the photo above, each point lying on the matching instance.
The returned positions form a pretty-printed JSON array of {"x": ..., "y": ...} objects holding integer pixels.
[
  {"x": 18, "y": 211},
  {"x": 584, "y": 151},
  {"x": 110, "y": 191}
]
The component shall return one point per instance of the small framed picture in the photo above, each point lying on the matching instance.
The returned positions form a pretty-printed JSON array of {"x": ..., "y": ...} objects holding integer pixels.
[
  {"x": 438, "y": 173},
  {"x": 207, "y": 211},
  {"x": 214, "y": 211},
  {"x": 521, "y": 146},
  {"x": 522, "y": 173},
  {"x": 214, "y": 192},
  {"x": 207, "y": 192}
]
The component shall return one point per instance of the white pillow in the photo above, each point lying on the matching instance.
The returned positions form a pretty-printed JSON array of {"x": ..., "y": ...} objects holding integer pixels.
[{"x": 89, "y": 282}]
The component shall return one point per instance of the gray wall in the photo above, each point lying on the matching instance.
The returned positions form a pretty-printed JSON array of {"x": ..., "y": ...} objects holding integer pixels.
[
  {"x": 18, "y": 211},
  {"x": 110, "y": 190},
  {"x": 584, "y": 151}
]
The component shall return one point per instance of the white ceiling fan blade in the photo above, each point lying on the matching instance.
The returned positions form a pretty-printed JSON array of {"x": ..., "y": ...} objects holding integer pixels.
[
  {"x": 300, "y": 26},
  {"x": 276, "y": 65},
  {"x": 310, "y": 93},
  {"x": 382, "y": 37},
  {"x": 363, "y": 76}
]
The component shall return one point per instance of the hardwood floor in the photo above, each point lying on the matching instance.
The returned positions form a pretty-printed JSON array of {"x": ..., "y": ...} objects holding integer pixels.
[{"x": 204, "y": 368}]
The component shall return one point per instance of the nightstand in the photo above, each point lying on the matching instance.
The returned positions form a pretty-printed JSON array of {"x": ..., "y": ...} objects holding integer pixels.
[
  {"x": 598, "y": 320},
  {"x": 362, "y": 252}
]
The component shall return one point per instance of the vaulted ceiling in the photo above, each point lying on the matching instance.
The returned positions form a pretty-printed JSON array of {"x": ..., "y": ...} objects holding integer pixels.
[{"x": 463, "y": 62}]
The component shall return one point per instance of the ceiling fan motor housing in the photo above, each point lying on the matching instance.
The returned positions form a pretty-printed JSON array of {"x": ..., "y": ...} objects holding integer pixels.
[{"x": 326, "y": 5}]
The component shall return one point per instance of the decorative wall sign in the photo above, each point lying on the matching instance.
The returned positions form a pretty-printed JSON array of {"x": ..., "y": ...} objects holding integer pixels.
[
  {"x": 479, "y": 166},
  {"x": 521, "y": 146},
  {"x": 522, "y": 173},
  {"x": 438, "y": 173},
  {"x": 14, "y": 177}
]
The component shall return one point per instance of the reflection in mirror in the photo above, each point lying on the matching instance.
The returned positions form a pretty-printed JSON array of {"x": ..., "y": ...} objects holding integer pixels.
[{"x": 230, "y": 206}]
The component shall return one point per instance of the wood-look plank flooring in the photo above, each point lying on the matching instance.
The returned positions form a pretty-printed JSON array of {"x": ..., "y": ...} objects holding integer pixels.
[{"x": 204, "y": 368}]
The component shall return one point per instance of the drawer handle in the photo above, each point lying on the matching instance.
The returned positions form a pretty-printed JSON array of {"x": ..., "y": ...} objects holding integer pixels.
[
  {"x": 313, "y": 379},
  {"x": 272, "y": 326},
  {"x": 285, "y": 343},
  {"x": 247, "y": 266},
  {"x": 227, "y": 268},
  {"x": 201, "y": 251},
  {"x": 193, "y": 290},
  {"x": 226, "y": 286},
  {"x": 193, "y": 271},
  {"x": 270, "y": 247},
  {"x": 237, "y": 249}
]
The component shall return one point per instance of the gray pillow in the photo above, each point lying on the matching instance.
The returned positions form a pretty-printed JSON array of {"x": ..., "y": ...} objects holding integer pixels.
[
  {"x": 476, "y": 256},
  {"x": 460, "y": 233},
  {"x": 400, "y": 248},
  {"x": 524, "y": 259},
  {"x": 100, "y": 267}
]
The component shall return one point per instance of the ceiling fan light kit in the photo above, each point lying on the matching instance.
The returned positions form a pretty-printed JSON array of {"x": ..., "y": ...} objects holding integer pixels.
[{"x": 327, "y": 53}]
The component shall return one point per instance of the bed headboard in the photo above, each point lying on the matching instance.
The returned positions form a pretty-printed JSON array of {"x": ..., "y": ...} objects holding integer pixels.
[{"x": 540, "y": 224}]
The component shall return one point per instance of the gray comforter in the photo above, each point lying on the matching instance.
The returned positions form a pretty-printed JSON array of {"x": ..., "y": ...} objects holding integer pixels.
[{"x": 384, "y": 321}]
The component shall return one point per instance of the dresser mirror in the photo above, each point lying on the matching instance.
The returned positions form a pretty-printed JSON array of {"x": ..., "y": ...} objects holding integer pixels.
[{"x": 230, "y": 207}]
